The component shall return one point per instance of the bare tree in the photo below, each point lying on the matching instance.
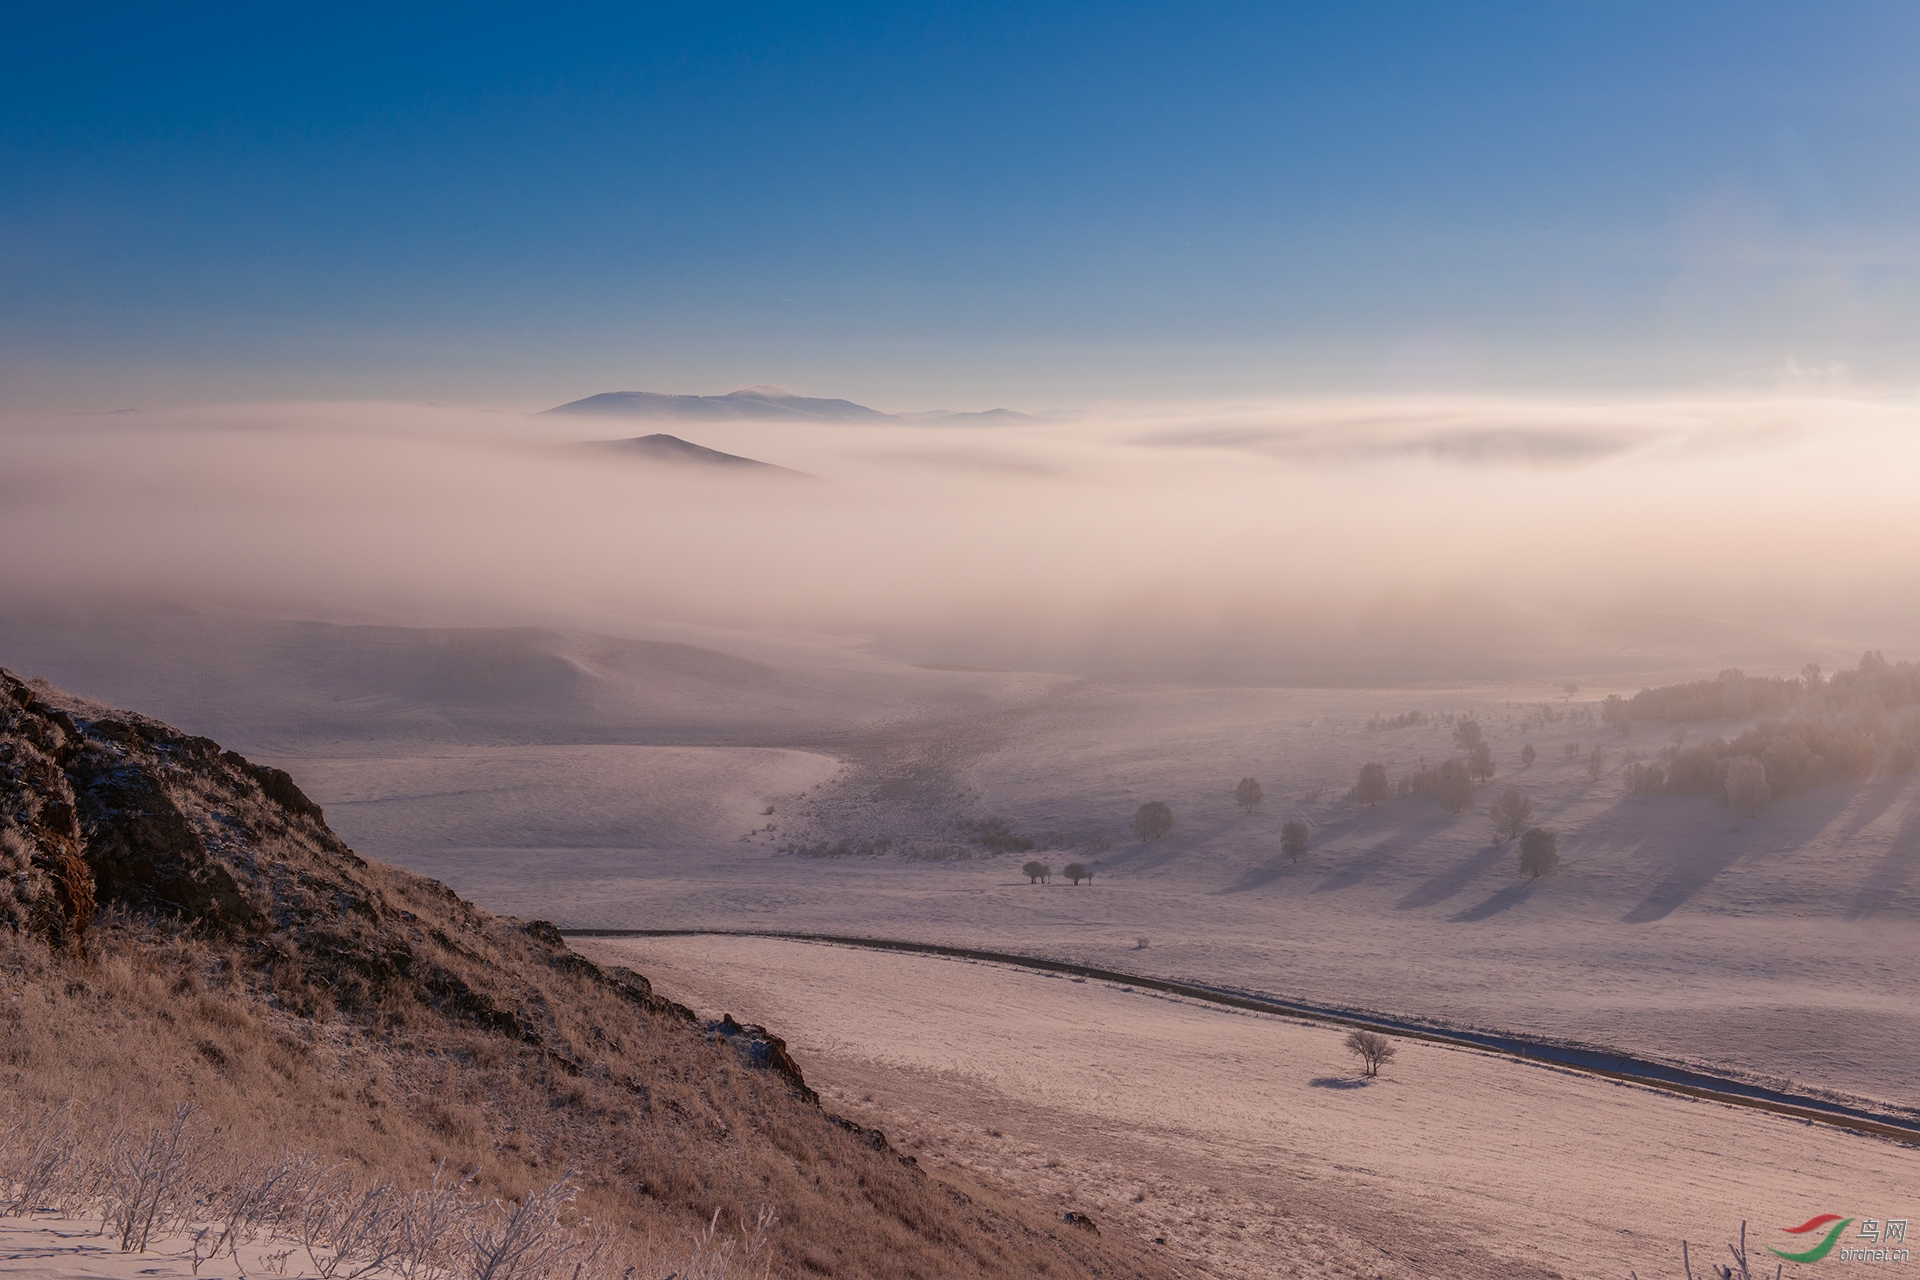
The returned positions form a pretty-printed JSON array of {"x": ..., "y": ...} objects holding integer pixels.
[
  {"x": 1033, "y": 871},
  {"x": 1077, "y": 871},
  {"x": 1454, "y": 786},
  {"x": 1539, "y": 852},
  {"x": 1527, "y": 756},
  {"x": 1373, "y": 1050},
  {"x": 1747, "y": 788},
  {"x": 1293, "y": 840},
  {"x": 1510, "y": 810},
  {"x": 1153, "y": 820},
  {"x": 1372, "y": 789},
  {"x": 1480, "y": 761},
  {"x": 1247, "y": 794},
  {"x": 1467, "y": 733}
]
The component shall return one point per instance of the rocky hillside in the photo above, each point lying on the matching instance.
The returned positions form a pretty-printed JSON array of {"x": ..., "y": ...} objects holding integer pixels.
[{"x": 179, "y": 924}]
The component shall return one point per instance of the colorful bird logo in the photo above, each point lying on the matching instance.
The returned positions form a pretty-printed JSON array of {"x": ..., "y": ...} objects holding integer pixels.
[{"x": 1825, "y": 1246}]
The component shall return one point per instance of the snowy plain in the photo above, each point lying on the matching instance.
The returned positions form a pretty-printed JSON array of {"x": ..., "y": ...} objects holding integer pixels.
[
  {"x": 666, "y": 784},
  {"x": 1252, "y": 1145}
]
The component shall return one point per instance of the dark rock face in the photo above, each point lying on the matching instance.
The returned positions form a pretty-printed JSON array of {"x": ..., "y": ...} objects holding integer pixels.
[
  {"x": 118, "y": 810},
  {"x": 112, "y": 810},
  {"x": 765, "y": 1049}
]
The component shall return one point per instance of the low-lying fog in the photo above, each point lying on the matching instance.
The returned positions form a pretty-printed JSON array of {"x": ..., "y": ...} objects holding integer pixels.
[{"x": 1374, "y": 540}]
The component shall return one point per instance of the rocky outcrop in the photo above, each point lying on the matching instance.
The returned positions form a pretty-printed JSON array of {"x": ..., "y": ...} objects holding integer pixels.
[{"x": 185, "y": 915}]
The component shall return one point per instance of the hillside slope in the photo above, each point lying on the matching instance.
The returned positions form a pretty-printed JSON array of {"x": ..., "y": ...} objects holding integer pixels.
[{"x": 178, "y": 923}]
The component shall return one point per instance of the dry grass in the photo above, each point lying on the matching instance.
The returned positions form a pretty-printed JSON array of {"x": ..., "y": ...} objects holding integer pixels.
[{"x": 303, "y": 1000}]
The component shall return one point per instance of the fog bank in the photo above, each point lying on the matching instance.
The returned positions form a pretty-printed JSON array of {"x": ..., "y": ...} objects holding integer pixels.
[{"x": 1318, "y": 540}]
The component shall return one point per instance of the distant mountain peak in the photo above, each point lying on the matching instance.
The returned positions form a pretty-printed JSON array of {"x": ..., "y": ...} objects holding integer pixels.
[
  {"x": 769, "y": 404},
  {"x": 661, "y": 447},
  {"x": 759, "y": 404}
]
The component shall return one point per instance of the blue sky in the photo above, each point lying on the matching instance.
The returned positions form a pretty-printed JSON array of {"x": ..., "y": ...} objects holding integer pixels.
[{"x": 941, "y": 205}]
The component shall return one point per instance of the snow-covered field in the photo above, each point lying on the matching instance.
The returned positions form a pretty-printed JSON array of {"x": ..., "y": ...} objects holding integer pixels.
[
  {"x": 1251, "y": 1144},
  {"x": 1784, "y": 946},
  {"x": 658, "y": 786}
]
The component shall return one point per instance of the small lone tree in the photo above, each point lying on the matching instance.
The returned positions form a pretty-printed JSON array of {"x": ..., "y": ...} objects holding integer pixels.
[
  {"x": 1153, "y": 820},
  {"x": 1747, "y": 788},
  {"x": 1372, "y": 789},
  {"x": 1510, "y": 810},
  {"x": 1467, "y": 733},
  {"x": 1539, "y": 852},
  {"x": 1077, "y": 871},
  {"x": 1480, "y": 761},
  {"x": 1247, "y": 794},
  {"x": 1033, "y": 871},
  {"x": 1293, "y": 840},
  {"x": 1527, "y": 756},
  {"x": 1596, "y": 763},
  {"x": 1373, "y": 1050},
  {"x": 1453, "y": 786}
]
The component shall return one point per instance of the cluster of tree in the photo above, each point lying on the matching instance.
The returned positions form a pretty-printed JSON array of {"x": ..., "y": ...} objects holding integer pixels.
[
  {"x": 1767, "y": 762},
  {"x": 1891, "y": 684},
  {"x": 1406, "y": 720},
  {"x": 1448, "y": 782},
  {"x": 1038, "y": 872},
  {"x": 1733, "y": 692}
]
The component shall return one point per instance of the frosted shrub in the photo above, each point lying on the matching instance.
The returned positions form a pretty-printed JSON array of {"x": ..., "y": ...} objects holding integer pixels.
[
  {"x": 1539, "y": 852},
  {"x": 150, "y": 1179}
]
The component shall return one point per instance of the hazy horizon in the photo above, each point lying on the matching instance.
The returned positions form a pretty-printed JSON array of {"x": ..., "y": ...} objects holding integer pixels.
[{"x": 1324, "y": 539}]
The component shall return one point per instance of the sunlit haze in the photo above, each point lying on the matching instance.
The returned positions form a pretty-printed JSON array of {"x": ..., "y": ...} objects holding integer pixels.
[{"x": 970, "y": 642}]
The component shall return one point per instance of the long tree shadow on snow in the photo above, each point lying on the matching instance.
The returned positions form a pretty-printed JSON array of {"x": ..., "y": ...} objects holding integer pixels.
[
  {"x": 1511, "y": 896},
  {"x": 1882, "y": 887},
  {"x": 1449, "y": 882},
  {"x": 1700, "y": 851},
  {"x": 1404, "y": 834},
  {"x": 1686, "y": 878},
  {"x": 1258, "y": 877},
  {"x": 1355, "y": 870}
]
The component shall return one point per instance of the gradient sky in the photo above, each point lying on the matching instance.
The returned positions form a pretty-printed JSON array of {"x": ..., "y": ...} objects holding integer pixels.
[{"x": 955, "y": 206}]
